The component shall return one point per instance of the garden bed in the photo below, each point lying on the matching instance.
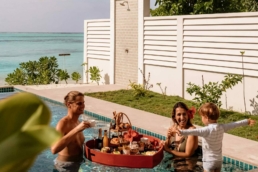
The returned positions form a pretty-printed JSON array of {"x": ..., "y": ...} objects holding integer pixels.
[{"x": 162, "y": 105}]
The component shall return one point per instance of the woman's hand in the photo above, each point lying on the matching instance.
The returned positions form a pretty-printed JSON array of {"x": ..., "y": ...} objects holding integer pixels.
[
  {"x": 172, "y": 131},
  {"x": 83, "y": 125}
]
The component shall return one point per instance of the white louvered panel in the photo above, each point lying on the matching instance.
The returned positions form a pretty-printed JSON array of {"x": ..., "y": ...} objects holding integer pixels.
[
  {"x": 222, "y": 45},
  {"x": 222, "y": 27},
  {"x": 213, "y": 63},
  {"x": 98, "y": 52},
  {"x": 98, "y": 48},
  {"x": 160, "y": 48},
  {"x": 169, "y": 43},
  {"x": 160, "y": 53},
  {"x": 219, "y": 51},
  {"x": 221, "y": 39},
  {"x": 160, "y": 58},
  {"x": 94, "y": 56},
  {"x": 160, "y": 22},
  {"x": 99, "y": 44},
  {"x": 250, "y": 66},
  {"x": 99, "y": 28},
  {"x": 160, "y": 28},
  {"x": 98, "y": 36},
  {"x": 233, "y": 58},
  {"x": 173, "y": 38},
  {"x": 106, "y": 40},
  {"x": 98, "y": 24},
  {"x": 101, "y": 32},
  {"x": 222, "y": 33},
  {"x": 217, "y": 21},
  {"x": 159, "y": 63},
  {"x": 221, "y": 69},
  {"x": 160, "y": 32}
]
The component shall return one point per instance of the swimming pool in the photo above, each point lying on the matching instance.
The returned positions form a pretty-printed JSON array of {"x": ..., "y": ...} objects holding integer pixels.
[{"x": 44, "y": 161}]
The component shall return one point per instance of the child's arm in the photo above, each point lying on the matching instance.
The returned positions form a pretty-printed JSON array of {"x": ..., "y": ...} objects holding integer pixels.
[
  {"x": 238, "y": 124},
  {"x": 203, "y": 132}
]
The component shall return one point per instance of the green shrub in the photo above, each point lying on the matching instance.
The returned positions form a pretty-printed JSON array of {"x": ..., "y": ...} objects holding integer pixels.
[
  {"x": 212, "y": 91},
  {"x": 63, "y": 75},
  {"x": 43, "y": 71},
  {"x": 76, "y": 77},
  {"x": 94, "y": 74}
]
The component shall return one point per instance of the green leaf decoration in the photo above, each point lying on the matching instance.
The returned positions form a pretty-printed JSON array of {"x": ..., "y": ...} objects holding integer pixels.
[{"x": 25, "y": 131}]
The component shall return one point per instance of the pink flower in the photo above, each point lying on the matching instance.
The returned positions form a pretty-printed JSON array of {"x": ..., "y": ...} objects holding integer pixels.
[{"x": 191, "y": 112}]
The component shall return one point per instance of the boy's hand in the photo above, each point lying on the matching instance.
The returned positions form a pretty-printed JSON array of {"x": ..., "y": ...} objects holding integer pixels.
[{"x": 251, "y": 122}]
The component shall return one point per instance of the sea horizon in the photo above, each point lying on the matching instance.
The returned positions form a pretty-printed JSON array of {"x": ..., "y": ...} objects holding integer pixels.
[{"x": 18, "y": 47}]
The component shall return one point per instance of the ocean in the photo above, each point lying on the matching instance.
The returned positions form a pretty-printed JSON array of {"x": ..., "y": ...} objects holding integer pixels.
[{"x": 23, "y": 47}]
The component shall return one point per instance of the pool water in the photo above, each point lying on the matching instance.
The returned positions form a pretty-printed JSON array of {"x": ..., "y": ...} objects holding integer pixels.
[{"x": 44, "y": 162}]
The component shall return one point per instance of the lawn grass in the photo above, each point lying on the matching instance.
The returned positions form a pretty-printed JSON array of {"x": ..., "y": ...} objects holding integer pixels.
[{"x": 160, "y": 105}]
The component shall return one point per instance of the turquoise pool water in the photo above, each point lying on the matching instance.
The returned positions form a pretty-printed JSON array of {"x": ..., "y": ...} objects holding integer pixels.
[{"x": 44, "y": 162}]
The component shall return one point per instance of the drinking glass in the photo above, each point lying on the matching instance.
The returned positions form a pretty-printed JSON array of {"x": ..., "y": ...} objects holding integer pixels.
[{"x": 94, "y": 135}]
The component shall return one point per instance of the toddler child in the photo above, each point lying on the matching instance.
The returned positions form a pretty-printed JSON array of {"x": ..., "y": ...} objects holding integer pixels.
[{"x": 212, "y": 135}]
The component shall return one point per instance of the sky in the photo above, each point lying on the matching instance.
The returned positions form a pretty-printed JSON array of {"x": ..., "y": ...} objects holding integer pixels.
[{"x": 51, "y": 15}]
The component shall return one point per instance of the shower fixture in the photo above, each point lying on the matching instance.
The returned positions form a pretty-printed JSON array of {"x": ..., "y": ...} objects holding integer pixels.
[{"x": 123, "y": 4}]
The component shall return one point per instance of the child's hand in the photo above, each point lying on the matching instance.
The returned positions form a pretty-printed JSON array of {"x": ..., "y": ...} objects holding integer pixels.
[{"x": 251, "y": 122}]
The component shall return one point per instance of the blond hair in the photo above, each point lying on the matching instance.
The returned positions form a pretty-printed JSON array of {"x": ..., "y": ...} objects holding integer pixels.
[
  {"x": 209, "y": 110},
  {"x": 71, "y": 96}
]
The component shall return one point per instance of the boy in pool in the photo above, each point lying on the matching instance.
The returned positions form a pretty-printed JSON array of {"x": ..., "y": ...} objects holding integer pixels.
[{"x": 212, "y": 135}]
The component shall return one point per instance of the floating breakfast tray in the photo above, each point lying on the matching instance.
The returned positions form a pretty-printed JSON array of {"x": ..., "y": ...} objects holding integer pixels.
[{"x": 121, "y": 160}]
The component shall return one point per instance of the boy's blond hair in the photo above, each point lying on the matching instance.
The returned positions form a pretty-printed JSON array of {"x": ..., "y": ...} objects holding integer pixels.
[{"x": 210, "y": 110}]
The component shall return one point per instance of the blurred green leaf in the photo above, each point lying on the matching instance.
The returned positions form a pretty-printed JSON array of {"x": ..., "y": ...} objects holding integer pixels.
[{"x": 25, "y": 131}]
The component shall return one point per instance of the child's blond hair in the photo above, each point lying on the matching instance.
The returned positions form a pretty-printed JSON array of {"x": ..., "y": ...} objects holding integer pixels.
[{"x": 209, "y": 110}]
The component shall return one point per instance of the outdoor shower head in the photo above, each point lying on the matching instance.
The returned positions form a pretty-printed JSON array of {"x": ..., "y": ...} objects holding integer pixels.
[{"x": 123, "y": 4}]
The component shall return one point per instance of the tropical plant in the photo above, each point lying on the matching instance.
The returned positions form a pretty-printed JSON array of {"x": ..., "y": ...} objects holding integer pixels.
[
  {"x": 94, "y": 74},
  {"x": 138, "y": 89},
  {"x": 43, "y": 71},
  {"x": 63, "y": 75},
  {"x": 254, "y": 104},
  {"x": 76, "y": 77},
  {"x": 146, "y": 82},
  {"x": 25, "y": 131},
  {"x": 162, "y": 91},
  {"x": 183, "y": 7},
  {"x": 212, "y": 91}
]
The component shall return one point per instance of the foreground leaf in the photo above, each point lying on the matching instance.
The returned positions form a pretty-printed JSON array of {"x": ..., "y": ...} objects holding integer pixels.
[{"x": 24, "y": 120}]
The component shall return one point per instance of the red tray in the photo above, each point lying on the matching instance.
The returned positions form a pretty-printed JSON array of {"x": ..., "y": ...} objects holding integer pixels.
[{"x": 130, "y": 161}]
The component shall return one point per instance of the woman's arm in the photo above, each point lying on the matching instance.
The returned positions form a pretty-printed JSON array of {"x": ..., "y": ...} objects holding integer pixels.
[
  {"x": 191, "y": 146},
  {"x": 67, "y": 138}
]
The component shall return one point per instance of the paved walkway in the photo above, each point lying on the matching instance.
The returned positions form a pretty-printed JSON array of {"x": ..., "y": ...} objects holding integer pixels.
[{"x": 234, "y": 147}]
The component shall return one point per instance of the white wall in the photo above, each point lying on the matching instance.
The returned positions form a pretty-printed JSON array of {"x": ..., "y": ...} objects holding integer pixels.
[
  {"x": 103, "y": 65},
  {"x": 180, "y": 49},
  {"x": 209, "y": 45},
  {"x": 97, "y": 48}
]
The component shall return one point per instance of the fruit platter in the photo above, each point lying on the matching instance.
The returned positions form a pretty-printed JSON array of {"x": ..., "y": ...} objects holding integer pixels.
[{"x": 128, "y": 149}]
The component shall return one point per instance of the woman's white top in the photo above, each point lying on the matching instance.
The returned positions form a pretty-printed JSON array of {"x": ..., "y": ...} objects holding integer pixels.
[{"x": 212, "y": 136}]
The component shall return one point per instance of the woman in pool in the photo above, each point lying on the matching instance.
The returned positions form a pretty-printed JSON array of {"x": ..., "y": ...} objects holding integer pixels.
[
  {"x": 70, "y": 146},
  {"x": 180, "y": 146}
]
